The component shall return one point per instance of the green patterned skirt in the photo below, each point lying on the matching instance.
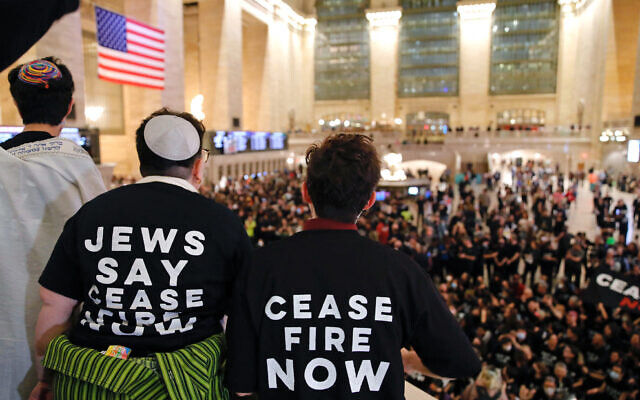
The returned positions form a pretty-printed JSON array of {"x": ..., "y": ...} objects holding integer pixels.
[{"x": 192, "y": 373}]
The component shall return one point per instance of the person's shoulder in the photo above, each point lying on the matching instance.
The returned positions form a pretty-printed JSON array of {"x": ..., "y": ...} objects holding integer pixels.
[{"x": 108, "y": 197}]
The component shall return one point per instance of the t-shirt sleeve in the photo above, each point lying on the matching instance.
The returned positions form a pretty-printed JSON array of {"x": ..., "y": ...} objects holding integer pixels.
[
  {"x": 62, "y": 273},
  {"x": 437, "y": 337},
  {"x": 242, "y": 340}
]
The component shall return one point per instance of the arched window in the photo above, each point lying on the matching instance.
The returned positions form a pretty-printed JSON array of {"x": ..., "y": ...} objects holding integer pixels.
[
  {"x": 341, "y": 50},
  {"x": 428, "y": 49},
  {"x": 524, "y": 48}
]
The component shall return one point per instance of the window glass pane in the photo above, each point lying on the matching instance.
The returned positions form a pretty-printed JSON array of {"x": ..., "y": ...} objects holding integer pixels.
[
  {"x": 341, "y": 50},
  {"x": 428, "y": 49},
  {"x": 524, "y": 48}
]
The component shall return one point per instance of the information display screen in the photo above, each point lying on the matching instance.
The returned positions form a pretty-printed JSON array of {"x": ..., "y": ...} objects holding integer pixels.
[
  {"x": 241, "y": 138},
  {"x": 277, "y": 141},
  {"x": 633, "y": 151},
  {"x": 7, "y": 132},
  {"x": 218, "y": 140},
  {"x": 258, "y": 140},
  {"x": 73, "y": 134},
  {"x": 231, "y": 142}
]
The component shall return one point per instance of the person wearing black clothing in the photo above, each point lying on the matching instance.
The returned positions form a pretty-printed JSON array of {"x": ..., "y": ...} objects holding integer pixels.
[
  {"x": 620, "y": 216},
  {"x": 467, "y": 255},
  {"x": 546, "y": 221},
  {"x": 513, "y": 253},
  {"x": 573, "y": 262},
  {"x": 152, "y": 263},
  {"x": 548, "y": 261},
  {"x": 325, "y": 313},
  {"x": 636, "y": 211},
  {"x": 531, "y": 257},
  {"x": 607, "y": 200}
]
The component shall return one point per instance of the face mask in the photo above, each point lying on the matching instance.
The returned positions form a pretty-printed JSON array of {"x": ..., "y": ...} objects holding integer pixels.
[
  {"x": 521, "y": 335},
  {"x": 549, "y": 391},
  {"x": 506, "y": 348},
  {"x": 454, "y": 285},
  {"x": 614, "y": 375}
]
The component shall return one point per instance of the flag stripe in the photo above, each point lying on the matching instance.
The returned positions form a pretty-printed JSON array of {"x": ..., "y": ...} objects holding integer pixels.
[
  {"x": 142, "y": 35},
  {"x": 132, "y": 58},
  {"x": 124, "y": 67},
  {"x": 124, "y": 71},
  {"x": 105, "y": 57},
  {"x": 134, "y": 26},
  {"x": 147, "y": 42},
  {"x": 142, "y": 52},
  {"x": 131, "y": 79},
  {"x": 137, "y": 43},
  {"x": 142, "y": 24},
  {"x": 134, "y": 83}
]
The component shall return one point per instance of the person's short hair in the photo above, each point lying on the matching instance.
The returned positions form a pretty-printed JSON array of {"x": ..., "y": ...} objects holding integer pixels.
[
  {"x": 342, "y": 172},
  {"x": 153, "y": 164},
  {"x": 489, "y": 378},
  {"x": 44, "y": 102}
]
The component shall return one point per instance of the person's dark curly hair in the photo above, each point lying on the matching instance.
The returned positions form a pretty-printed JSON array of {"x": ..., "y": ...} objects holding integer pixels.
[
  {"x": 38, "y": 104},
  {"x": 342, "y": 173},
  {"x": 153, "y": 164}
]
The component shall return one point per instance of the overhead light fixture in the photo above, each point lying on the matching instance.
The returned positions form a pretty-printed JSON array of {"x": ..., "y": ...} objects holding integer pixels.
[
  {"x": 475, "y": 9},
  {"x": 196, "y": 107},
  {"x": 570, "y": 7},
  {"x": 388, "y": 17},
  {"x": 310, "y": 24},
  {"x": 93, "y": 113}
]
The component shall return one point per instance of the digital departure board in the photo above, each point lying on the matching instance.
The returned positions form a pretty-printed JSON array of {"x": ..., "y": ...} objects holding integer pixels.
[
  {"x": 259, "y": 141},
  {"x": 277, "y": 141},
  {"x": 231, "y": 142}
]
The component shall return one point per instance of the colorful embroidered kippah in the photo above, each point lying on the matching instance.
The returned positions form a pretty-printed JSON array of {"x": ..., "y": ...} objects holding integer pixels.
[{"x": 39, "y": 72}]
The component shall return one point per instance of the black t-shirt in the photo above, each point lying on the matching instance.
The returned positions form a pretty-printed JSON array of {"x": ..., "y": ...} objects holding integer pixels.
[
  {"x": 25, "y": 137},
  {"x": 153, "y": 263},
  {"x": 531, "y": 256},
  {"x": 510, "y": 250},
  {"x": 324, "y": 314}
]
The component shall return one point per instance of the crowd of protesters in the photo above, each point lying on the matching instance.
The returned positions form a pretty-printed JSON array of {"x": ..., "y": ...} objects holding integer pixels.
[{"x": 496, "y": 252}]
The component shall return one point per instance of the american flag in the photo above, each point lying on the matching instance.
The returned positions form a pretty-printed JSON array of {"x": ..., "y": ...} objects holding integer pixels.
[{"x": 129, "y": 52}]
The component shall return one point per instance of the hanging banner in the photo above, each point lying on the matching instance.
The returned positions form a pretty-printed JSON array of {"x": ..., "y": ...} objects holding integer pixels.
[{"x": 614, "y": 290}]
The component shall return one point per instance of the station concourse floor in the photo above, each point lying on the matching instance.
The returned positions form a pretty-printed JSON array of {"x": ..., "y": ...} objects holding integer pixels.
[{"x": 580, "y": 216}]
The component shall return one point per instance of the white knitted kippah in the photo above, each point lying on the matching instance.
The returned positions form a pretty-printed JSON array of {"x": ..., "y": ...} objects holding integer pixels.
[{"x": 172, "y": 137}]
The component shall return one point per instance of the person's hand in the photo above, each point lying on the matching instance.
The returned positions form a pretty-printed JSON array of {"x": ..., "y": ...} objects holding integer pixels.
[
  {"x": 411, "y": 361},
  {"x": 592, "y": 391},
  {"x": 42, "y": 391}
]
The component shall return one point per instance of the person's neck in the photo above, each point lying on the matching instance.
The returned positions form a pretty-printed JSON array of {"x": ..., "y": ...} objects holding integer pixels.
[{"x": 53, "y": 130}]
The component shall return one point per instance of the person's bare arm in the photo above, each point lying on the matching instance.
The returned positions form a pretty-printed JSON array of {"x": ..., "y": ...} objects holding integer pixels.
[
  {"x": 54, "y": 319},
  {"x": 412, "y": 363}
]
